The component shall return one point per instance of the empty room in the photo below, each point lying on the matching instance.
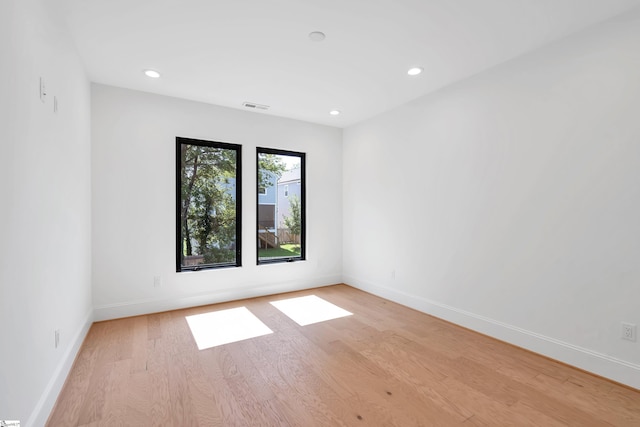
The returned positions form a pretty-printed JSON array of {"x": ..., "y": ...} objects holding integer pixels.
[{"x": 299, "y": 213}]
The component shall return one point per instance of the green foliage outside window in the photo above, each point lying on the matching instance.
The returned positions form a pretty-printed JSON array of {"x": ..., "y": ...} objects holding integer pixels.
[{"x": 208, "y": 212}]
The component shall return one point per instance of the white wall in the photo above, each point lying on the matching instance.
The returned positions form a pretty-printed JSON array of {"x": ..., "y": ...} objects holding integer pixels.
[
  {"x": 510, "y": 202},
  {"x": 133, "y": 170},
  {"x": 45, "y": 202}
]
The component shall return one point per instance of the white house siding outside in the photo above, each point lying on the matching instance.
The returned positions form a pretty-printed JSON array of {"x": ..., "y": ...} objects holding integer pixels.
[{"x": 289, "y": 185}]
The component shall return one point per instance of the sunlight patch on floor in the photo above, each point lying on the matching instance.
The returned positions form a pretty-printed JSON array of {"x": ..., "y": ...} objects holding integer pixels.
[
  {"x": 225, "y": 326},
  {"x": 309, "y": 309}
]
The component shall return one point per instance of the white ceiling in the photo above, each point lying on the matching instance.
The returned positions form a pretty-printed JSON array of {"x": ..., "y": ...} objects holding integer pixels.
[{"x": 228, "y": 52}]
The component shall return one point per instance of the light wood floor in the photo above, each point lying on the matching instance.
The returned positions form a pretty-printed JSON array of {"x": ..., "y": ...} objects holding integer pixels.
[{"x": 385, "y": 365}]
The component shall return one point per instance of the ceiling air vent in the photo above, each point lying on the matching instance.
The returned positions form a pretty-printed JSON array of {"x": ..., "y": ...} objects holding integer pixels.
[{"x": 255, "y": 106}]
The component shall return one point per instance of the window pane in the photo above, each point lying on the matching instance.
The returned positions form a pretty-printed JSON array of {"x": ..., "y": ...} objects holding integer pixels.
[
  {"x": 208, "y": 204},
  {"x": 281, "y": 193}
]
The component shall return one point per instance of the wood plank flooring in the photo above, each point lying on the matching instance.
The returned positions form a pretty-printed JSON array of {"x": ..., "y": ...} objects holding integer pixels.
[{"x": 386, "y": 365}]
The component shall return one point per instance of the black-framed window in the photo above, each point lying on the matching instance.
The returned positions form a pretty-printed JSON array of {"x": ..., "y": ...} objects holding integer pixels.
[
  {"x": 281, "y": 220},
  {"x": 208, "y": 204}
]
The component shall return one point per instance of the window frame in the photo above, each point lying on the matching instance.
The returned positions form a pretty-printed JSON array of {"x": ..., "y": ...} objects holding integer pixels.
[
  {"x": 303, "y": 194},
  {"x": 238, "y": 199}
]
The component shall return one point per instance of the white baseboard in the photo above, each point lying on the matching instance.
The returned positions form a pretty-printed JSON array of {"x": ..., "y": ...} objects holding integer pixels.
[
  {"x": 147, "y": 306},
  {"x": 48, "y": 398},
  {"x": 600, "y": 364}
]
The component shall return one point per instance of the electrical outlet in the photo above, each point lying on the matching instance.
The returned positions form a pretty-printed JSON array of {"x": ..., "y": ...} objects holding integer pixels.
[
  {"x": 56, "y": 337},
  {"x": 628, "y": 331},
  {"x": 157, "y": 281}
]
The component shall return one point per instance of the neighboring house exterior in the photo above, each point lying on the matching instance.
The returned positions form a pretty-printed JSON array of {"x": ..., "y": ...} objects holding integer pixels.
[
  {"x": 229, "y": 186},
  {"x": 267, "y": 204},
  {"x": 289, "y": 185},
  {"x": 273, "y": 207}
]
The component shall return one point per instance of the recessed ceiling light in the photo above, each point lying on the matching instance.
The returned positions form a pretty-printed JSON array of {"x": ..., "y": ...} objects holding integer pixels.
[
  {"x": 414, "y": 71},
  {"x": 334, "y": 112},
  {"x": 152, "y": 73},
  {"x": 317, "y": 36}
]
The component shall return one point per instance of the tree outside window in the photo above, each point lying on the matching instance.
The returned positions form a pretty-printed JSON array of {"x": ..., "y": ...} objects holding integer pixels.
[{"x": 208, "y": 204}]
